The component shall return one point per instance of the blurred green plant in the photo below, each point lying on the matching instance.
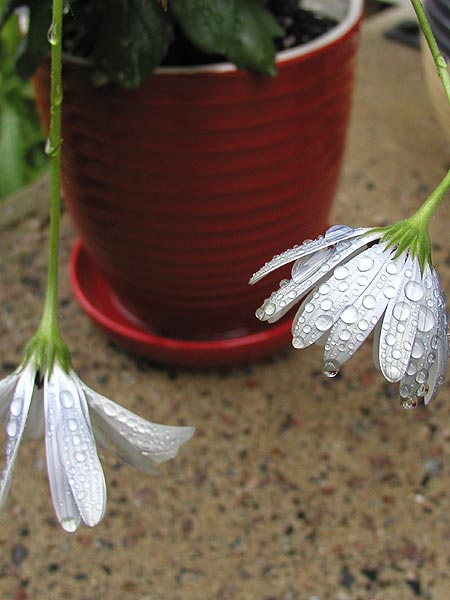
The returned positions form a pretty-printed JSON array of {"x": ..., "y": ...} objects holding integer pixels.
[{"x": 22, "y": 156}]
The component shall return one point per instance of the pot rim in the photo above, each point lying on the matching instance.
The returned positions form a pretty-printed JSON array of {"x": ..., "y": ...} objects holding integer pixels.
[{"x": 352, "y": 17}]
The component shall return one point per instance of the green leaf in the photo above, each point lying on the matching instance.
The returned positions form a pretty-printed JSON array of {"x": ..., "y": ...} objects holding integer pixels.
[
  {"x": 252, "y": 46},
  {"x": 208, "y": 24},
  {"x": 12, "y": 173},
  {"x": 132, "y": 39}
]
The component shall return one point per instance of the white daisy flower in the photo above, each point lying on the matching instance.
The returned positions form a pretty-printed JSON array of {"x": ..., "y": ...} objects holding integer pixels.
[
  {"x": 353, "y": 280},
  {"x": 63, "y": 406}
]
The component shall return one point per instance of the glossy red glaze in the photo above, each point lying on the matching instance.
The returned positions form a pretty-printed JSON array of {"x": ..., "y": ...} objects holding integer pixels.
[
  {"x": 182, "y": 189},
  {"x": 100, "y": 303}
]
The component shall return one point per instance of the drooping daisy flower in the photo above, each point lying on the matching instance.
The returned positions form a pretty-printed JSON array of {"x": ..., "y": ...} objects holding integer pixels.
[
  {"x": 62, "y": 405},
  {"x": 355, "y": 280}
]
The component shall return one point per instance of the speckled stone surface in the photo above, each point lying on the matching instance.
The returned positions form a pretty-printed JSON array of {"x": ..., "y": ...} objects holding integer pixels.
[{"x": 294, "y": 487}]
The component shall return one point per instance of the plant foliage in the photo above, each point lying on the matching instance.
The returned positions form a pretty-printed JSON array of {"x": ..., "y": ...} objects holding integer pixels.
[
  {"x": 125, "y": 40},
  {"x": 21, "y": 137}
]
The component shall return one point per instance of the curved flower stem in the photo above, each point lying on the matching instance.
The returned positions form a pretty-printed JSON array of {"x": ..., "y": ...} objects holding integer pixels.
[
  {"x": 423, "y": 215},
  {"x": 439, "y": 60}
]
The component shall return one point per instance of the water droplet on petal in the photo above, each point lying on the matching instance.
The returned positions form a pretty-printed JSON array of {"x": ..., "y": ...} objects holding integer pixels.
[
  {"x": 345, "y": 335},
  {"x": 426, "y": 320},
  {"x": 389, "y": 291},
  {"x": 369, "y": 302},
  {"x": 414, "y": 291},
  {"x": 391, "y": 268},
  {"x": 269, "y": 308},
  {"x": 349, "y": 315},
  {"x": 401, "y": 311},
  {"x": 326, "y": 304},
  {"x": 72, "y": 425},
  {"x": 298, "y": 342},
  {"x": 341, "y": 272},
  {"x": 11, "y": 428},
  {"x": 418, "y": 349},
  {"x": 69, "y": 524},
  {"x": 365, "y": 264},
  {"x": 324, "y": 322},
  {"x": 66, "y": 399}
]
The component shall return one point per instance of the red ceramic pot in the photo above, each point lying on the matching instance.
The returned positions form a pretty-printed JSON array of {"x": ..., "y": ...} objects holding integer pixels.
[{"x": 181, "y": 189}]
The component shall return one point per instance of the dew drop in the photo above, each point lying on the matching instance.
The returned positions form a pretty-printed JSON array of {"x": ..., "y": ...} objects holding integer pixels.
[
  {"x": 365, "y": 264},
  {"x": 363, "y": 325},
  {"x": 72, "y": 425},
  {"x": 401, "y": 311},
  {"x": 11, "y": 428},
  {"x": 441, "y": 61},
  {"x": 326, "y": 304},
  {"x": 418, "y": 349},
  {"x": 426, "y": 320},
  {"x": 362, "y": 281},
  {"x": 298, "y": 342},
  {"x": 80, "y": 457},
  {"x": 389, "y": 292},
  {"x": 331, "y": 368},
  {"x": 15, "y": 407},
  {"x": 349, "y": 315},
  {"x": 414, "y": 291},
  {"x": 421, "y": 376},
  {"x": 341, "y": 272},
  {"x": 52, "y": 34},
  {"x": 324, "y": 322},
  {"x": 391, "y": 268},
  {"x": 369, "y": 302},
  {"x": 269, "y": 308},
  {"x": 110, "y": 410},
  {"x": 324, "y": 289},
  {"x": 345, "y": 335},
  {"x": 66, "y": 399},
  {"x": 390, "y": 339},
  {"x": 69, "y": 524},
  {"x": 308, "y": 307},
  {"x": 409, "y": 403},
  {"x": 343, "y": 286}
]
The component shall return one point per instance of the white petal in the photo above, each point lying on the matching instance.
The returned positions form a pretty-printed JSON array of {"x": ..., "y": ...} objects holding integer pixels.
[
  {"x": 64, "y": 503},
  {"x": 35, "y": 422},
  {"x": 135, "y": 436},
  {"x": 18, "y": 412},
  {"x": 7, "y": 386},
  {"x": 359, "y": 319},
  {"x": 414, "y": 382},
  {"x": 72, "y": 450},
  {"x": 334, "y": 235},
  {"x": 399, "y": 326},
  {"x": 323, "y": 307},
  {"x": 376, "y": 343},
  {"x": 440, "y": 343}
]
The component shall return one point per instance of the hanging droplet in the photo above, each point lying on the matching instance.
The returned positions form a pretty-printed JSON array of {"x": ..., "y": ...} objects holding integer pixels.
[
  {"x": 409, "y": 403},
  {"x": 52, "y": 34},
  {"x": 331, "y": 368},
  {"x": 50, "y": 149}
]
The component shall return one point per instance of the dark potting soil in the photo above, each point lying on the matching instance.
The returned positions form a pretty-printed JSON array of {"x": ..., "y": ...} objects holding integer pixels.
[{"x": 300, "y": 26}]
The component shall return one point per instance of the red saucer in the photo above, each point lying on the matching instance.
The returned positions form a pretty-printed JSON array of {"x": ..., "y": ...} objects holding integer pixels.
[{"x": 98, "y": 300}]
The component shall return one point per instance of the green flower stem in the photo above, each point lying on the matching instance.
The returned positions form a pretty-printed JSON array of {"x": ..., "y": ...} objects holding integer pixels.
[
  {"x": 47, "y": 343},
  {"x": 439, "y": 60},
  {"x": 426, "y": 211}
]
